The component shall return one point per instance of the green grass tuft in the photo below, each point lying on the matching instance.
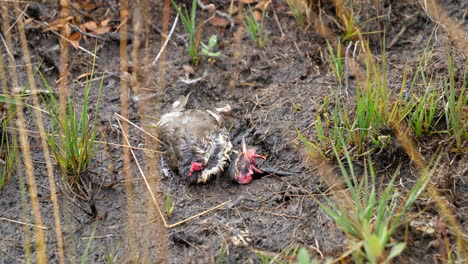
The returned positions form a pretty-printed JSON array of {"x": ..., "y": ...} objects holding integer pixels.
[
  {"x": 370, "y": 217},
  {"x": 73, "y": 134},
  {"x": 255, "y": 28},
  {"x": 188, "y": 20}
]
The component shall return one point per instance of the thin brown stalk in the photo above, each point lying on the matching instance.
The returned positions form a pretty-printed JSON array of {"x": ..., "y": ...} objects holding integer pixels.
[
  {"x": 193, "y": 216},
  {"x": 26, "y": 210},
  {"x": 64, "y": 54},
  {"x": 42, "y": 132},
  {"x": 124, "y": 13},
  {"x": 31, "y": 132},
  {"x": 198, "y": 215},
  {"x": 141, "y": 87},
  {"x": 153, "y": 166},
  {"x": 3, "y": 77},
  {"x": 27, "y": 159},
  {"x": 153, "y": 196}
]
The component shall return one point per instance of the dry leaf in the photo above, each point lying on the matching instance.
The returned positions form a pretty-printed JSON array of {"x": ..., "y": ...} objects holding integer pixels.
[
  {"x": 262, "y": 5},
  {"x": 189, "y": 69},
  {"x": 248, "y": 1},
  {"x": 58, "y": 23},
  {"x": 257, "y": 15},
  {"x": 124, "y": 13},
  {"x": 219, "y": 22},
  {"x": 28, "y": 21},
  {"x": 75, "y": 39},
  {"x": 90, "y": 26},
  {"x": 86, "y": 4},
  {"x": 104, "y": 22},
  {"x": 102, "y": 30}
]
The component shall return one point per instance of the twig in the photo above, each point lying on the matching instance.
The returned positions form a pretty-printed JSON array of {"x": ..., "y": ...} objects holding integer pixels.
[
  {"x": 397, "y": 37},
  {"x": 85, "y": 33},
  {"x": 167, "y": 39},
  {"x": 97, "y": 141},
  {"x": 139, "y": 128},
  {"x": 123, "y": 146},
  {"x": 6, "y": 46},
  {"x": 190, "y": 81},
  {"x": 153, "y": 197},
  {"x": 277, "y": 22},
  {"x": 192, "y": 217},
  {"x": 200, "y": 214},
  {"x": 23, "y": 223},
  {"x": 17, "y": 20},
  {"x": 278, "y": 172}
]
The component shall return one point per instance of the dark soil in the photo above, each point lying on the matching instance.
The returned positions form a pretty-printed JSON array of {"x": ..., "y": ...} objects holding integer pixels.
[{"x": 272, "y": 92}]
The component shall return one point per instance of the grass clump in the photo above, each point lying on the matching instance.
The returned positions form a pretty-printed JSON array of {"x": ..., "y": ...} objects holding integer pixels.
[
  {"x": 363, "y": 119},
  {"x": 456, "y": 107},
  {"x": 369, "y": 217},
  {"x": 300, "y": 10},
  {"x": 193, "y": 35},
  {"x": 73, "y": 134},
  {"x": 423, "y": 119},
  {"x": 255, "y": 28},
  {"x": 356, "y": 122}
]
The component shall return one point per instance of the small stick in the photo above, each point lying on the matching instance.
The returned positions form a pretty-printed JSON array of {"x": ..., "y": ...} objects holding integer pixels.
[
  {"x": 23, "y": 223},
  {"x": 200, "y": 214},
  {"x": 153, "y": 197},
  {"x": 167, "y": 39},
  {"x": 123, "y": 146},
  {"x": 85, "y": 33},
  {"x": 192, "y": 217},
  {"x": 278, "y": 22},
  {"x": 6, "y": 46},
  {"x": 97, "y": 141},
  {"x": 139, "y": 128},
  {"x": 278, "y": 172}
]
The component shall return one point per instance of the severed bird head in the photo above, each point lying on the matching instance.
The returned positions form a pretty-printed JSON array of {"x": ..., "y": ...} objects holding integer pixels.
[{"x": 243, "y": 165}]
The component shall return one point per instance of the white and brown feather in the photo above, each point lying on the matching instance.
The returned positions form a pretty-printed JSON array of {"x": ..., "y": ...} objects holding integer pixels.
[{"x": 195, "y": 136}]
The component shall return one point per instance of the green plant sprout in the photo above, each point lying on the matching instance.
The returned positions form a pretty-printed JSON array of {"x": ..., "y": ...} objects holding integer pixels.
[
  {"x": 208, "y": 49},
  {"x": 169, "y": 205}
]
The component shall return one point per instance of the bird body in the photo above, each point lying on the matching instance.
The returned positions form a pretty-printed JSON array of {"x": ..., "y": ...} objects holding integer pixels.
[{"x": 197, "y": 145}]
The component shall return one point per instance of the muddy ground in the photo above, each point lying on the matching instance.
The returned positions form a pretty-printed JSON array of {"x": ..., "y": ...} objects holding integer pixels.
[{"x": 271, "y": 91}]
